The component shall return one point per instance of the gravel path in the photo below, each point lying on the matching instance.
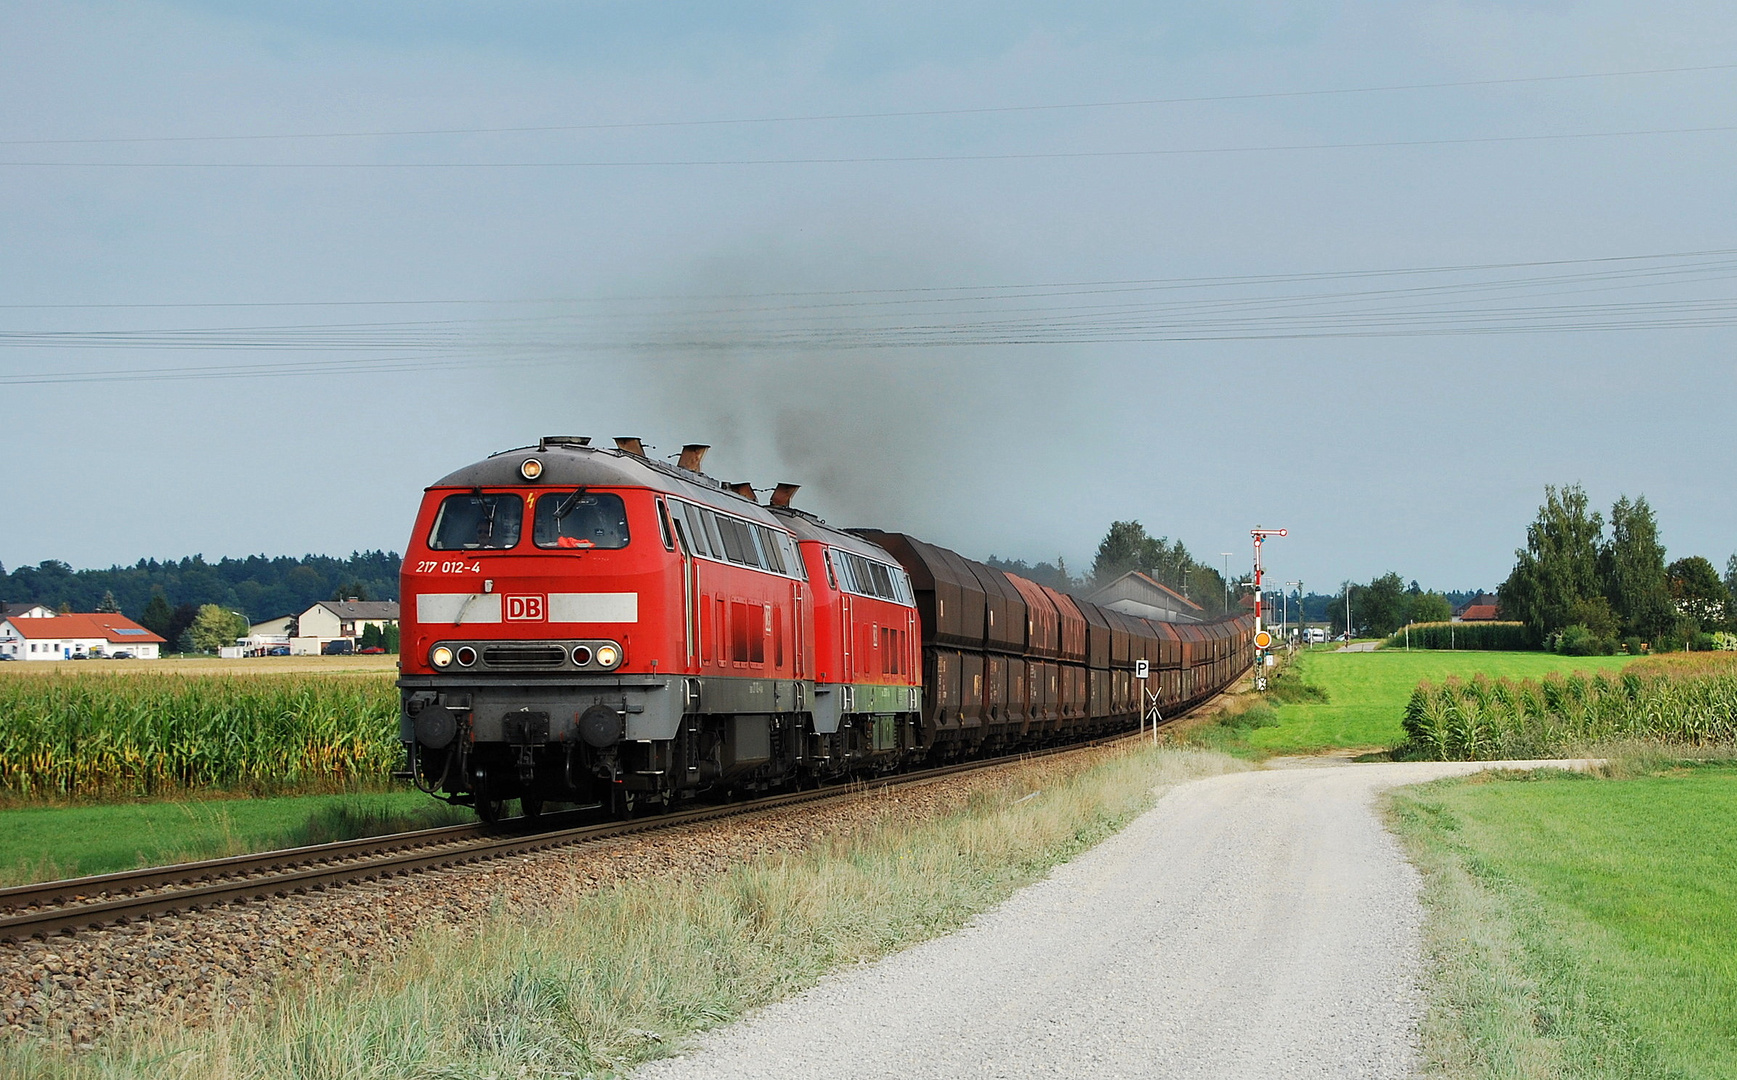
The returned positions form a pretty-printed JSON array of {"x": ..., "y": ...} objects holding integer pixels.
[{"x": 1260, "y": 925}]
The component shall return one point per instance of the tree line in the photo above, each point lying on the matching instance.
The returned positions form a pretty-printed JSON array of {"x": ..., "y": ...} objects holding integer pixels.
[
  {"x": 1128, "y": 546},
  {"x": 1385, "y": 605},
  {"x": 1582, "y": 590},
  {"x": 166, "y": 597}
]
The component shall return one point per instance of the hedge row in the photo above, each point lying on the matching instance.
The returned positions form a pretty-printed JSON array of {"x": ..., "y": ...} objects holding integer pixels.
[{"x": 1492, "y": 636}]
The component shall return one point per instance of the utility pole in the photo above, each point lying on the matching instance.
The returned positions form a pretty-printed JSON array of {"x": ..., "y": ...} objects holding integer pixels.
[
  {"x": 1289, "y": 585},
  {"x": 1226, "y": 579}
]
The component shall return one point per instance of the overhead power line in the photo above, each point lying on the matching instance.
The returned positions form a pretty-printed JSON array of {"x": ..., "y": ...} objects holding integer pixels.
[
  {"x": 1611, "y": 294},
  {"x": 879, "y": 115},
  {"x": 1194, "y": 282},
  {"x": 1038, "y": 155}
]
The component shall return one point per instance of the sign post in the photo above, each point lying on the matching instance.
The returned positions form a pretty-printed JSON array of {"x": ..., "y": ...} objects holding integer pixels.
[{"x": 1148, "y": 701}]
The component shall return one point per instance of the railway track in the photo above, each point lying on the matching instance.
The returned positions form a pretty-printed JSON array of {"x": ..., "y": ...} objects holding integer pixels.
[{"x": 56, "y": 907}]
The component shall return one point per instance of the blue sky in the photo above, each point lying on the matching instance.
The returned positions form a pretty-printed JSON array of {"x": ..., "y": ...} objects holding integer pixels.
[{"x": 910, "y": 339}]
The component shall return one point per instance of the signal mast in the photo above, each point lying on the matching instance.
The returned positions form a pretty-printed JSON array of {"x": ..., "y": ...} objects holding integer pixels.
[{"x": 1263, "y": 640}]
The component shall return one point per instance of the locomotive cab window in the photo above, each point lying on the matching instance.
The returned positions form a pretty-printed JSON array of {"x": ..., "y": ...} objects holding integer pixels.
[
  {"x": 476, "y": 521},
  {"x": 580, "y": 519}
]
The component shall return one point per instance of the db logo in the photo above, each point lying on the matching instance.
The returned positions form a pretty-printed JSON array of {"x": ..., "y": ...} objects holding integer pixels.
[{"x": 524, "y": 608}]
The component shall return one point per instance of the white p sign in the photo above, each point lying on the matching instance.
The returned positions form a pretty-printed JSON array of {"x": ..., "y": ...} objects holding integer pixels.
[{"x": 1142, "y": 668}]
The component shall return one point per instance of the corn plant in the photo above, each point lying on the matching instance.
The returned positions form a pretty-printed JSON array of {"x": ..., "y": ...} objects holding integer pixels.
[
  {"x": 151, "y": 734},
  {"x": 1481, "y": 720}
]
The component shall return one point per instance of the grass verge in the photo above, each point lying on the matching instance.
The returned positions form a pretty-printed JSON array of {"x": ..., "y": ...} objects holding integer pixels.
[
  {"x": 1578, "y": 927},
  {"x": 40, "y": 843},
  {"x": 604, "y": 980}
]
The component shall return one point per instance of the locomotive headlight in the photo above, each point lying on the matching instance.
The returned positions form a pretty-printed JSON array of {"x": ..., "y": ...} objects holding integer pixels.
[
  {"x": 441, "y": 656},
  {"x": 530, "y": 468},
  {"x": 608, "y": 655}
]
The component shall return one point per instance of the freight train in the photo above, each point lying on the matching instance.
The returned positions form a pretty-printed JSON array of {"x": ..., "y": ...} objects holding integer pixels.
[{"x": 591, "y": 625}]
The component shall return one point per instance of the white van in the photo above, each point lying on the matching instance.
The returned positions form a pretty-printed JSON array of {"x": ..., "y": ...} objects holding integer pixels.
[{"x": 1315, "y": 635}]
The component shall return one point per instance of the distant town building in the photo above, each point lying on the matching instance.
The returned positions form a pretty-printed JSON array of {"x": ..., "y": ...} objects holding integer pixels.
[
  {"x": 1480, "y": 608},
  {"x": 335, "y": 620},
  {"x": 1136, "y": 593},
  {"x": 70, "y": 637}
]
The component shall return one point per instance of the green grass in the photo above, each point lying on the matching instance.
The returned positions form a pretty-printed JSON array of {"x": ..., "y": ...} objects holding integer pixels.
[
  {"x": 595, "y": 982},
  {"x": 1366, "y": 693},
  {"x": 40, "y": 843},
  {"x": 1580, "y": 927}
]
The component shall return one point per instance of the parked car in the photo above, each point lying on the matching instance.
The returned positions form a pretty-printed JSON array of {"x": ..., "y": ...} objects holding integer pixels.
[
  {"x": 372, "y": 650},
  {"x": 278, "y": 650},
  {"x": 340, "y": 647},
  {"x": 120, "y": 654}
]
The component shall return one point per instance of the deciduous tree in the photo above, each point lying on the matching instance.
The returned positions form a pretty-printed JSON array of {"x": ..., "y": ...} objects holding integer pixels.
[
  {"x": 214, "y": 627},
  {"x": 1633, "y": 562},
  {"x": 1697, "y": 591},
  {"x": 1559, "y": 566}
]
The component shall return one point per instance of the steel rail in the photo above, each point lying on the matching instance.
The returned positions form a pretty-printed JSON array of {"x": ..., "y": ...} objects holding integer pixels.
[{"x": 298, "y": 870}]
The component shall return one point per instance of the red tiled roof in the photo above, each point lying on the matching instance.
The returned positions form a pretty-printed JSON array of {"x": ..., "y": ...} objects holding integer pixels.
[
  {"x": 85, "y": 627},
  {"x": 1479, "y": 613}
]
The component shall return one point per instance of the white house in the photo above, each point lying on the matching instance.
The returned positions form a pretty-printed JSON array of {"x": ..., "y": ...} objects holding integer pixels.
[
  {"x": 331, "y": 620},
  {"x": 64, "y": 637},
  {"x": 25, "y": 611}
]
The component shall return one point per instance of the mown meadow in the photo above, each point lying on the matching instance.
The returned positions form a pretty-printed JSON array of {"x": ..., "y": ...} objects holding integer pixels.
[
  {"x": 1579, "y": 926},
  {"x": 1327, "y": 700}
]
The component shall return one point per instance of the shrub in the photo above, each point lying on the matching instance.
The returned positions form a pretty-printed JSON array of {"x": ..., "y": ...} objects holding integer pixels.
[{"x": 1577, "y": 640}]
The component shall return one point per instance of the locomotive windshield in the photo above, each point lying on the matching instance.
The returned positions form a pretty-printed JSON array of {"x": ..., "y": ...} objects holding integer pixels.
[
  {"x": 580, "y": 519},
  {"x": 477, "y": 521}
]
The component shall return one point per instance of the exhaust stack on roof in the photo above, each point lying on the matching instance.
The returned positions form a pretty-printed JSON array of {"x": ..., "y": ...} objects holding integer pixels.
[
  {"x": 692, "y": 455},
  {"x": 745, "y": 490},
  {"x": 629, "y": 445},
  {"x": 783, "y": 493},
  {"x": 563, "y": 440}
]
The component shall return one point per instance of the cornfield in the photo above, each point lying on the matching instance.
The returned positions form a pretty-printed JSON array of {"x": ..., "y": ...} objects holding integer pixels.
[
  {"x": 152, "y": 734},
  {"x": 1485, "y": 720},
  {"x": 1500, "y": 636}
]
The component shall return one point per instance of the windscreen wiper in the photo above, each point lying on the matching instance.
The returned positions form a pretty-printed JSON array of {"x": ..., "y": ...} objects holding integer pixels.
[{"x": 569, "y": 505}]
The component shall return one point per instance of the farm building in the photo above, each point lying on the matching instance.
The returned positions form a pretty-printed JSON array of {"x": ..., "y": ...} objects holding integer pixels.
[{"x": 1135, "y": 593}]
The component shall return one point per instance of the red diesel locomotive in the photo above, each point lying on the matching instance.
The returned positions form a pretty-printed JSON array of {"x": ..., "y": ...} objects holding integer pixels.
[{"x": 591, "y": 626}]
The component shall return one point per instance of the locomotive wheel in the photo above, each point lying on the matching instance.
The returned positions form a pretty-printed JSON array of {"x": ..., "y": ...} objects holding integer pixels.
[{"x": 489, "y": 808}]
